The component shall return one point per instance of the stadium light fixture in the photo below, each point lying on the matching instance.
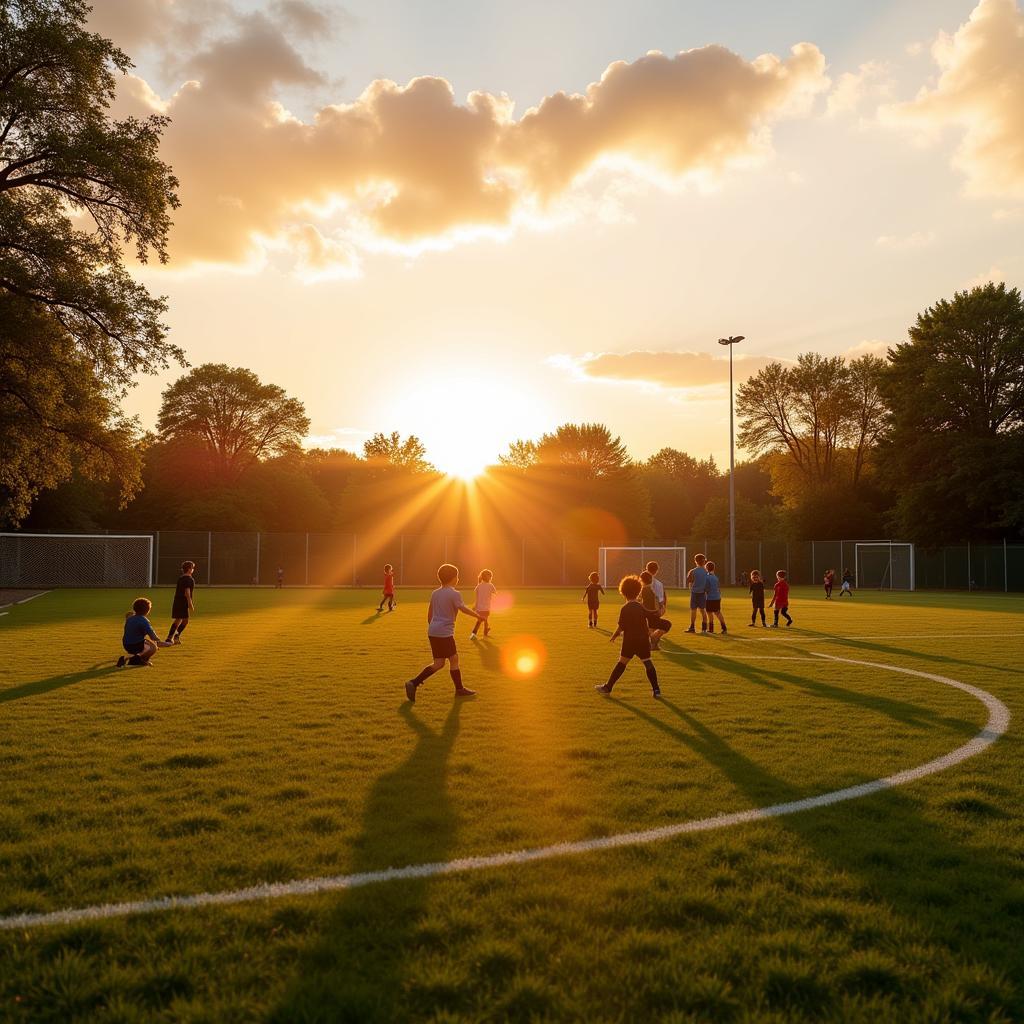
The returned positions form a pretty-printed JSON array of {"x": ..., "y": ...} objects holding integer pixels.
[{"x": 729, "y": 343}]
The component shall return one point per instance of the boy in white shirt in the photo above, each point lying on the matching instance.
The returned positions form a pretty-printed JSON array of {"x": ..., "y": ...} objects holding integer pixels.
[
  {"x": 659, "y": 587},
  {"x": 485, "y": 590},
  {"x": 445, "y": 604}
]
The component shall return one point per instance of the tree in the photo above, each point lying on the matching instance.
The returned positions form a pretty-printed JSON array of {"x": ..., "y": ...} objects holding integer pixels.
[
  {"x": 56, "y": 416},
  {"x": 389, "y": 450},
  {"x": 520, "y": 455},
  {"x": 62, "y": 157},
  {"x": 955, "y": 391},
  {"x": 679, "y": 486},
  {"x": 233, "y": 417},
  {"x": 587, "y": 450}
]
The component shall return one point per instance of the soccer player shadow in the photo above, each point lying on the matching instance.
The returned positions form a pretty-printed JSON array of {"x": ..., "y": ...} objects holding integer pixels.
[
  {"x": 357, "y": 966},
  {"x": 41, "y": 686},
  {"x": 947, "y": 885},
  {"x": 488, "y": 652}
]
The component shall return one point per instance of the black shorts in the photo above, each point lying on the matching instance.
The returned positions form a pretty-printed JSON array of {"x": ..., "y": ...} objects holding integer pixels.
[
  {"x": 593, "y": 605},
  {"x": 179, "y": 611},
  {"x": 442, "y": 646},
  {"x": 135, "y": 648},
  {"x": 713, "y": 604},
  {"x": 638, "y": 648}
]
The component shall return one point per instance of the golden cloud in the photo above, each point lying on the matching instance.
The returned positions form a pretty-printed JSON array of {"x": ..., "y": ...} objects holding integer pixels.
[
  {"x": 666, "y": 369},
  {"x": 409, "y": 164},
  {"x": 980, "y": 90}
]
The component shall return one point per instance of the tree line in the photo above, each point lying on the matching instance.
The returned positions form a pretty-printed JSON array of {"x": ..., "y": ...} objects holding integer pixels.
[{"x": 926, "y": 444}]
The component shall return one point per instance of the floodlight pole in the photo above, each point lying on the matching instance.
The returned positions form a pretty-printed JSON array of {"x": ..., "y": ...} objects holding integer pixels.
[{"x": 729, "y": 342}]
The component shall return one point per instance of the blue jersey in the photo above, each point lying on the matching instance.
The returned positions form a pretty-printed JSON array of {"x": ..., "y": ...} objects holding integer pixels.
[
  {"x": 714, "y": 594},
  {"x": 698, "y": 579},
  {"x": 136, "y": 629}
]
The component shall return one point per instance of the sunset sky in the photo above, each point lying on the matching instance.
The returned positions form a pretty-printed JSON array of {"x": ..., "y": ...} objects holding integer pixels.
[{"x": 475, "y": 221}]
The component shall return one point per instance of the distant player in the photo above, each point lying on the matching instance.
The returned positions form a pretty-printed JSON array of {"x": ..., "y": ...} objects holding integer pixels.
[
  {"x": 713, "y": 602},
  {"x": 485, "y": 590},
  {"x": 847, "y": 587},
  {"x": 659, "y": 588},
  {"x": 279, "y": 578},
  {"x": 182, "y": 606},
  {"x": 780, "y": 600},
  {"x": 140, "y": 639},
  {"x": 830, "y": 578},
  {"x": 445, "y": 604},
  {"x": 756, "y": 597},
  {"x": 389, "y": 589},
  {"x": 635, "y": 624},
  {"x": 697, "y": 581},
  {"x": 592, "y": 595}
]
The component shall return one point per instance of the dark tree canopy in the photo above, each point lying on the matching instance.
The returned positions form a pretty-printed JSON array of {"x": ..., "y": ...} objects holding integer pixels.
[
  {"x": 586, "y": 449},
  {"x": 390, "y": 451},
  {"x": 234, "y": 417},
  {"x": 76, "y": 187}
]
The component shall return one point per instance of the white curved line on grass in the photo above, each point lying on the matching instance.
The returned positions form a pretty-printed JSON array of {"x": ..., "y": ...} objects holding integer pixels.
[{"x": 996, "y": 726}]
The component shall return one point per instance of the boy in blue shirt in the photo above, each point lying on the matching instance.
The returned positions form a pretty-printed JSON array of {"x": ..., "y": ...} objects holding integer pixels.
[
  {"x": 140, "y": 639},
  {"x": 697, "y": 581},
  {"x": 713, "y": 602}
]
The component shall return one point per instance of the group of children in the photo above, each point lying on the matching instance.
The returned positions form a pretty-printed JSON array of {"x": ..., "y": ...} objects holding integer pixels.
[
  {"x": 847, "y": 585},
  {"x": 139, "y": 640}
]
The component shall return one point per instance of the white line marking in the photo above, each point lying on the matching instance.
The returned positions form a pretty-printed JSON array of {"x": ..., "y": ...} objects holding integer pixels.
[
  {"x": 888, "y": 636},
  {"x": 996, "y": 726}
]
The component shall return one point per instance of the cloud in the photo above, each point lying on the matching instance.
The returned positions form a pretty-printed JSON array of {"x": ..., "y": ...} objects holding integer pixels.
[
  {"x": 902, "y": 243},
  {"x": 869, "y": 81},
  {"x": 868, "y": 348},
  {"x": 410, "y": 166},
  {"x": 994, "y": 275},
  {"x": 980, "y": 91},
  {"x": 673, "y": 370}
]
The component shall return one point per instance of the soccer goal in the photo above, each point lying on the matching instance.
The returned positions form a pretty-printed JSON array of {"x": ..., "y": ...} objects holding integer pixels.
[
  {"x": 884, "y": 565},
  {"x": 48, "y": 560},
  {"x": 614, "y": 563}
]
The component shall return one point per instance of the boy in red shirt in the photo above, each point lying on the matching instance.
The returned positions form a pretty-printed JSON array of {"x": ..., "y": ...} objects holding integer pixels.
[
  {"x": 389, "y": 589},
  {"x": 780, "y": 599}
]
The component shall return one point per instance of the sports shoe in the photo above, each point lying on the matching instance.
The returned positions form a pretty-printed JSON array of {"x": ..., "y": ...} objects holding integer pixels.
[
  {"x": 711, "y": 629},
  {"x": 752, "y": 625},
  {"x": 121, "y": 661},
  {"x": 410, "y": 691},
  {"x": 177, "y": 639},
  {"x": 603, "y": 688},
  {"x": 774, "y": 625},
  {"x": 724, "y": 631},
  {"x": 691, "y": 630},
  {"x": 464, "y": 691},
  {"x": 788, "y": 624},
  {"x": 472, "y": 636},
  {"x": 656, "y": 693}
]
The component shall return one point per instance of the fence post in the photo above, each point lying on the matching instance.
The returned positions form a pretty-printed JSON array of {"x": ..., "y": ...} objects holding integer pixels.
[
  {"x": 969, "y": 587},
  {"x": 814, "y": 574},
  {"x": 787, "y": 560},
  {"x": 401, "y": 559},
  {"x": 563, "y": 561},
  {"x": 943, "y": 568},
  {"x": 209, "y": 555},
  {"x": 156, "y": 559},
  {"x": 524, "y": 561},
  {"x": 257, "y": 559},
  {"x": 760, "y": 560},
  {"x": 1006, "y": 571},
  {"x": 307, "y": 559},
  {"x": 354, "y": 559}
]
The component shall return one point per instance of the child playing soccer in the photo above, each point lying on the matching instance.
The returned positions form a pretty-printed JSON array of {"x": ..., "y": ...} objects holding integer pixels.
[
  {"x": 389, "y": 589},
  {"x": 182, "y": 606},
  {"x": 592, "y": 596},
  {"x": 445, "y": 604},
  {"x": 635, "y": 624},
  {"x": 780, "y": 599},
  {"x": 713, "y": 602},
  {"x": 649, "y": 599},
  {"x": 847, "y": 587},
  {"x": 140, "y": 639},
  {"x": 830, "y": 576},
  {"x": 485, "y": 590},
  {"x": 697, "y": 581},
  {"x": 756, "y": 597}
]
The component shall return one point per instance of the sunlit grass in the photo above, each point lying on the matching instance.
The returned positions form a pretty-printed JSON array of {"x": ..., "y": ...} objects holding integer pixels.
[{"x": 275, "y": 744}]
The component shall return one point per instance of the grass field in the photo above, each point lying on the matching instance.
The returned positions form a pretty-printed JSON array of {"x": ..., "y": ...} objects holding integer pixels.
[{"x": 275, "y": 744}]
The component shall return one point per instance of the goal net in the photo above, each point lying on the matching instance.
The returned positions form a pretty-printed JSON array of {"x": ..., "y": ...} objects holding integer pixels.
[
  {"x": 47, "y": 560},
  {"x": 885, "y": 566},
  {"x": 614, "y": 563}
]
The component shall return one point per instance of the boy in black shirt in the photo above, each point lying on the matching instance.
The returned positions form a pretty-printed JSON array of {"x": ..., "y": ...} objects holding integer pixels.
[
  {"x": 591, "y": 596},
  {"x": 757, "y": 597},
  {"x": 182, "y": 606},
  {"x": 635, "y": 625}
]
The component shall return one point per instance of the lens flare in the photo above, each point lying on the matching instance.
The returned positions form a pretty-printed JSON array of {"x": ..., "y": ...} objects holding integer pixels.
[{"x": 523, "y": 657}]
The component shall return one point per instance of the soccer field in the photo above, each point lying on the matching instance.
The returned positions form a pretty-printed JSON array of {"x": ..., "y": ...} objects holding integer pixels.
[{"x": 275, "y": 745}]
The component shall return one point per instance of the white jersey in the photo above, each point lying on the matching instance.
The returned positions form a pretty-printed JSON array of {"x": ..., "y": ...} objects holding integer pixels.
[
  {"x": 484, "y": 593},
  {"x": 445, "y": 604},
  {"x": 659, "y": 590}
]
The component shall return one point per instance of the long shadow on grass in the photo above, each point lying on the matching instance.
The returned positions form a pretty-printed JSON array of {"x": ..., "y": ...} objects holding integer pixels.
[
  {"x": 949, "y": 892},
  {"x": 489, "y": 653},
  {"x": 41, "y": 686},
  {"x": 359, "y": 967}
]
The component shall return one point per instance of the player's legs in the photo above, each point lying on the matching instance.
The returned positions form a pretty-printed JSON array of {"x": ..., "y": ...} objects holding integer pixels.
[
  {"x": 785, "y": 613},
  {"x": 182, "y": 624},
  {"x": 620, "y": 667},
  {"x": 456, "y": 674},
  {"x": 652, "y": 677},
  {"x": 174, "y": 628}
]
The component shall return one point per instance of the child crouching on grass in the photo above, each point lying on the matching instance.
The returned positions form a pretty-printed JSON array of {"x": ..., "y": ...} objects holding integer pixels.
[
  {"x": 635, "y": 625},
  {"x": 445, "y": 604},
  {"x": 140, "y": 639}
]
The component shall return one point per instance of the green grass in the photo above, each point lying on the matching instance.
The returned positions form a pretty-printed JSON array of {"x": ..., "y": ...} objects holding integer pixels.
[{"x": 275, "y": 744}]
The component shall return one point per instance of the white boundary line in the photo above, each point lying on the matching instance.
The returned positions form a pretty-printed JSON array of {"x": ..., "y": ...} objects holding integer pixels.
[
  {"x": 996, "y": 726},
  {"x": 24, "y": 600},
  {"x": 791, "y": 637}
]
